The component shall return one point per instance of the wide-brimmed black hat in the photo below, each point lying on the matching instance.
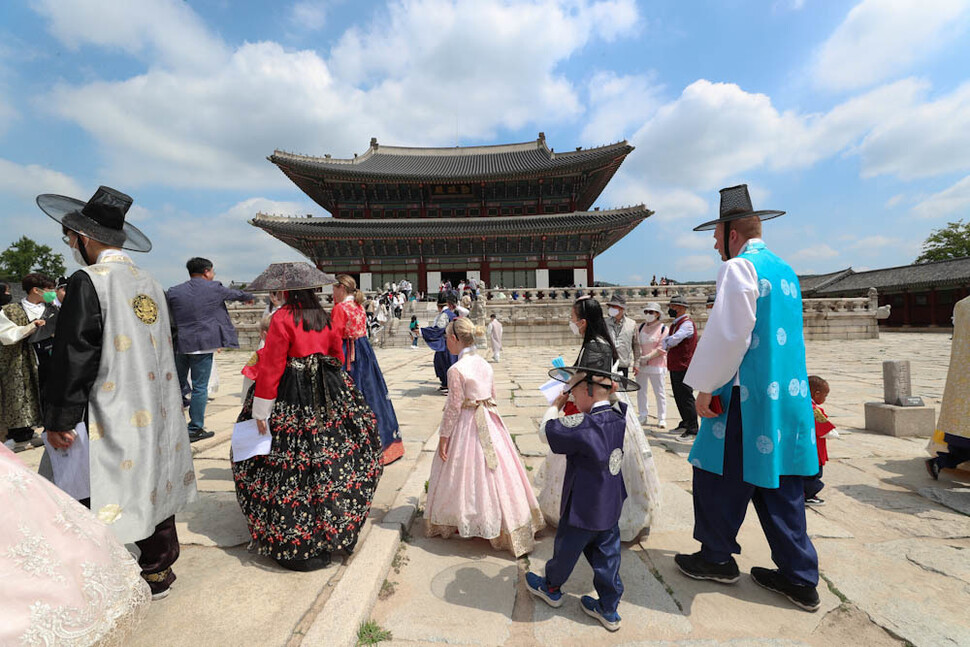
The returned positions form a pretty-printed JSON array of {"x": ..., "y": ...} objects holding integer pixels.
[
  {"x": 290, "y": 276},
  {"x": 736, "y": 204},
  {"x": 595, "y": 361},
  {"x": 102, "y": 218}
]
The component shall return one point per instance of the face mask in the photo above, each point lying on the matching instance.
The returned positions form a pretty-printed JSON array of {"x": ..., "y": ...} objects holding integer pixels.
[
  {"x": 78, "y": 258},
  {"x": 574, "y": 327},
  {"x": 613, "y": 312},
  {"x": 49, "y": 297},
  {"x": 652, "y": 317},
  {"x": 5, "y": 299},
  {"x": 671, "y": 312}
]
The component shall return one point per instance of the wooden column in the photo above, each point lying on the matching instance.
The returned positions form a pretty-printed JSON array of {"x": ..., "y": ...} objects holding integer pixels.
[{"x": 932, "y": 302}]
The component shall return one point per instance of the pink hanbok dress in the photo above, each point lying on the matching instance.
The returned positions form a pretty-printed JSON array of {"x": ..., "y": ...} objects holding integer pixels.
[
  {"x": 482, "y": 490},
  {"x": 64, "y": 577}
]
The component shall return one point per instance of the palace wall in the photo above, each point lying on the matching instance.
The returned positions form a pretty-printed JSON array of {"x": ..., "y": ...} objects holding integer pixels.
[{"x": 543, "y": 322}]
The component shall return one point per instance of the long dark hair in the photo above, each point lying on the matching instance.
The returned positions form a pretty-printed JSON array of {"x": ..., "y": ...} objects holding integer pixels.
[
  {"x": 590, "y": 309},
  {"x": 307, "y": 310}
]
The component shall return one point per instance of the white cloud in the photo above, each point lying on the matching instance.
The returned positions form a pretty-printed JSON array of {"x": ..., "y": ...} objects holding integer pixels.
[
  {"x": 617, "y": 105},
  {"x": 879, "y": 38},
  {"x": 309, "y": 15},
  {"x": 695, "y": 240},
  {"x": 695, "y": 262},
  {"x": 920, "y": 139},
  {"x": 25, "y": 182},
  {"x": 895, "y": 200},
  {"x": 952, "y": 200},
  {"x": 407, "y": 78},
  {"x": 814, "y": 252},
  {"x": 163, "y": 31},
  {"x": 239, "y": 252},
  {"x": 874, "y": 242}
]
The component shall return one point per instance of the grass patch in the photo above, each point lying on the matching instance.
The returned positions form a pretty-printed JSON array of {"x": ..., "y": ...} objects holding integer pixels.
[
  {"x": 371, "y": 633},
  {"x": 426, "y": 486},
  {"x": 835, "y": 591},
  {"x": 528, "y": 468},
  {"x": 660, "y": 578},
  {"x": 387, "y": 590},
  {"x": 400, "y": 559}
]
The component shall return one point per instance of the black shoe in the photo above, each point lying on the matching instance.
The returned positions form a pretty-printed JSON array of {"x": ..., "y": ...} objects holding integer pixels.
[
  {"x": 688, "y": 434},
  {"x": 186, "y": 402},
  {"x": 814, "y": 500},
  {"x": 802, "y": 596},
  {"x": 201, "y": 434},
  {"x": 679, "y": 427},
  {"x": 933, "y": 467},
  {"x": 699, "y": 568}
]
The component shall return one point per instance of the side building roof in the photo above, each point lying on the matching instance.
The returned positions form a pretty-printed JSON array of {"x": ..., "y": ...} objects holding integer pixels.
[{"x": 923, "y": 276}]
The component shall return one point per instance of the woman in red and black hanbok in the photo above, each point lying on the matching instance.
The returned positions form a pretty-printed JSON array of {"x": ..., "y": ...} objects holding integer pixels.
[
  {"x": 311, "y": 494},
  {"x": 350, "y": 320}
]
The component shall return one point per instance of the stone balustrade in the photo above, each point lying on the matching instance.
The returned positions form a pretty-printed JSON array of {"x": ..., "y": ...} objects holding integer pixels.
[{"x": 544, "y": 322}]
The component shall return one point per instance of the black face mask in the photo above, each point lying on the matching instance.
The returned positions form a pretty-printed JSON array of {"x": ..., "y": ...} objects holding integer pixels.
[
  {"x": 5, "y": 299},
  {"x": 672, "y": 313}
]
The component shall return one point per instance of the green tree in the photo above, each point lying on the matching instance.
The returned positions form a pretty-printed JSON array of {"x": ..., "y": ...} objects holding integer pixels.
[
  {"x": 952, "y": 241},
  {"x": 26, "y": 256}
]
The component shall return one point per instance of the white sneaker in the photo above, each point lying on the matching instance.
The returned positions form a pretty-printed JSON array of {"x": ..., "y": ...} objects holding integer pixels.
[
  {"x": 643, "y": 421},
  {"x": 662, "y": 424}
]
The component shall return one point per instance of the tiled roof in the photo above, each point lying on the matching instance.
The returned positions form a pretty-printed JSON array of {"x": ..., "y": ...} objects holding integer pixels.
[
  {"x": 926, "y": 275},
  {"x": 550, "y": 224},
  {"x": 453, "y": 164},
  {"x": 813, "y": 282}
]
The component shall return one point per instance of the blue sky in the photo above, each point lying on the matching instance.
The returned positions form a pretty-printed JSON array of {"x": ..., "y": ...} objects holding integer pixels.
[{"x": 854, "y": 117}]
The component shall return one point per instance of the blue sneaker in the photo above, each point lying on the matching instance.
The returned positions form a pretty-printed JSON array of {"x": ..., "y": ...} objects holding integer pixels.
[
  {"x": 540, "y": 588},
  {"x": 592, "y": 608}
]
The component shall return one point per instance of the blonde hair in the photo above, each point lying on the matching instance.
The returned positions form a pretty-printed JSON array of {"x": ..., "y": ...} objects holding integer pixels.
[
  {"x": 264, "y": 323},
  {"x": 466, "y": 301},
  {"x": 350, "y": 285},
  {"x": 463, "y": 329},
  {"x": 748, "y": 228}
]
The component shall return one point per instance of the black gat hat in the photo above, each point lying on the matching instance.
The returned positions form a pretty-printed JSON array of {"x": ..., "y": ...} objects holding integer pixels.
[
  {"x": 102, "y": 218},
  {"x": 735, "y": 205}
]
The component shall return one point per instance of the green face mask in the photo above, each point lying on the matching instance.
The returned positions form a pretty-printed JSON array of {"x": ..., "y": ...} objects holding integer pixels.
[{"x": 49, "y": 297}]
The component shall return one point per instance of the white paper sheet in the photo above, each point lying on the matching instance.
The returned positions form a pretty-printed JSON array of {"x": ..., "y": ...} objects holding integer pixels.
[
  {"x": 248, "y": 442},
  {"x": 72, "y": 466},
  {"x": 552, "y": 389}
]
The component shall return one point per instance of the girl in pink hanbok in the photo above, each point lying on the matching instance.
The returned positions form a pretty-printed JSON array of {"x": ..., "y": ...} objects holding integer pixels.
[{"x": 478, "y": 486}]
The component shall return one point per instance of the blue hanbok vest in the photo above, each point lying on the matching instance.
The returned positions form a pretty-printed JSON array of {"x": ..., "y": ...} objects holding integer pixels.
[{"x": 778, "y": 428}]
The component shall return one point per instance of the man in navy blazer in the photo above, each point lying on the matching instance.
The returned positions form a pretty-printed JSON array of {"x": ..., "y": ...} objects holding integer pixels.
[
  {"x": 593, "y": 491},
  {"x": 199, "y": 315}
]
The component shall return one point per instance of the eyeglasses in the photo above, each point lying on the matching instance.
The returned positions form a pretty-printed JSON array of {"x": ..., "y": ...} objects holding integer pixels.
[{"x": 66, "y": 239}]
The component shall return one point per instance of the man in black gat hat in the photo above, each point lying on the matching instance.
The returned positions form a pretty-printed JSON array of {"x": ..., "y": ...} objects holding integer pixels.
[
  {"x": 757, "y": 437},
  {"x": 116, "y": 382}
]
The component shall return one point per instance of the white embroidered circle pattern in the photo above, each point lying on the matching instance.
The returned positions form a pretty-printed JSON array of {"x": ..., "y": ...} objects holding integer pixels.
[
  {"x": 755, "y": 341},
  {"x": 781, "y": 336},
  {"x": 764, "y": 444},
  {"x": 696, "y": 462},
  {"x": 773, "y": 390},
  {"x": 718, "y": 429},
  {"x": 764, "y": 287},
  {"x": 786, "y": 290},
  {"x": 793, "y": 387},
  {"x": 616, "y": 460},
  {"x": 803, "y": 388},
  {"x": 743, "y": 392}
]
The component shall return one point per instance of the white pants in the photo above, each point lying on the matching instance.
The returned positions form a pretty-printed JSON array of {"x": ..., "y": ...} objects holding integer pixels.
[
  {"x": 656, "y": 381},
  {"x": 497, "y": 354}
]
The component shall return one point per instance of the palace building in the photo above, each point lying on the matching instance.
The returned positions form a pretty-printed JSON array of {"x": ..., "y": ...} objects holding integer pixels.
[{"x": 514, "y": 215}]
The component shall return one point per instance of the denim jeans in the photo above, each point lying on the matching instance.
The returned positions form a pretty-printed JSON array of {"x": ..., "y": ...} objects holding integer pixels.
[{"x": 199, "y": 367}]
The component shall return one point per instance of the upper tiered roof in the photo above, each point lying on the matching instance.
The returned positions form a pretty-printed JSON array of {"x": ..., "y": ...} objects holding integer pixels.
[{"x": 457, "y": 164}]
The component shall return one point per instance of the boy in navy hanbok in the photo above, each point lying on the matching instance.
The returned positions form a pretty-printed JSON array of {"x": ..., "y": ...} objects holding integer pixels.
[{"x": 593, "y": 490}]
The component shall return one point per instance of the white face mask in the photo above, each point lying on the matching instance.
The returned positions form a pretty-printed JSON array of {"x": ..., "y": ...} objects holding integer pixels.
[
  {"x": 575, "y": 328},
  {"x": 613, "y": 312},
  {"x": 78, "y": 258},
  {"x": 652, "y": 317}
]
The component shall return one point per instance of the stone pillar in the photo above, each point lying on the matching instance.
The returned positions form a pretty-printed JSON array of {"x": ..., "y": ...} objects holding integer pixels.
[
  {"x": 896, "y": 385},
  {"x": 579, "y": 277},
  {"x": 366, "y": 283},
  {"x": 542, "y": 279}
]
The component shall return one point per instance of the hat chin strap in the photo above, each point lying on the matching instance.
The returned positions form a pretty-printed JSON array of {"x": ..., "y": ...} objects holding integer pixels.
[
  {"x": 727, "y": 240},
  {"x": 81, "y": 247}
]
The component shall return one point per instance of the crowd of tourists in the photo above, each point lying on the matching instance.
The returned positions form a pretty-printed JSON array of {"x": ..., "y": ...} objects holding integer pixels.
[{"x": 134, "y": 366}]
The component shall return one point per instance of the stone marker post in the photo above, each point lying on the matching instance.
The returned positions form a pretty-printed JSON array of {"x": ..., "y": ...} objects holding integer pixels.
[{"x": 900, "y": 413}]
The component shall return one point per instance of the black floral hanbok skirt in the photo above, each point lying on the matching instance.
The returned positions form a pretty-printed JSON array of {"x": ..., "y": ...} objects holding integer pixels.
[{"x": 311, "y": 494}]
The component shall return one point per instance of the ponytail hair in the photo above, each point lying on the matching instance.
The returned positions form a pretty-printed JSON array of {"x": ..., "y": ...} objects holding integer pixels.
[{"x": 350, "y": 285}]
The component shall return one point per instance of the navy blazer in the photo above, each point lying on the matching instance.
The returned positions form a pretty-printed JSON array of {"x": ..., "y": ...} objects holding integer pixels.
[
  {"x": 198, "y": 311},
  {"x": 592, "y": 495}
]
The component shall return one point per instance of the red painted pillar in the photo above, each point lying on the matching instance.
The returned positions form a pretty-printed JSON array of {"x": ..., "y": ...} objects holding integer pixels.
[{"x": 589, "y": 271}]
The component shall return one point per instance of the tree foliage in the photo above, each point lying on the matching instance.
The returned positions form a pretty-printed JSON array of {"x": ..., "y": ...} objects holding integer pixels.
[
  {"x": 952, "y": 241},
  {"x": 26, "y": 256}
]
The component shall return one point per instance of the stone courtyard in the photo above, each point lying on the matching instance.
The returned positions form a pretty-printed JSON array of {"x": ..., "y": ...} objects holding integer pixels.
[{"x": 892, "y": 543}]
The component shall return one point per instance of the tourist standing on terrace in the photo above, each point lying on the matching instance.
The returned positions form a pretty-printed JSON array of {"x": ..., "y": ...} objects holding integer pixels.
[
  {"x": 757, "y": 439},
  {"x": 624, "y": 331},
  {"x": 311, "y": 495},
  {"x": 680, "y": 343},
  {"x": 652, "y": 364},
  {"x": 434, "y": 336},
  {"x": 350, "y": 321},
  {"x": 203, "y": 326},
  {"x": 950, "y": 444}
]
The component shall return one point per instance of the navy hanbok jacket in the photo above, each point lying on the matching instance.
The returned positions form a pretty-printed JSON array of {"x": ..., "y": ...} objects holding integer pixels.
[
  {"x": 198, "y": 311},
  {"x": 593, "y": 490}
]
